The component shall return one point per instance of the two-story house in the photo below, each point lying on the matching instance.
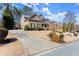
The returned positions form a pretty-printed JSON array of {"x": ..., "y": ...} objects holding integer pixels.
[{"x": 34, "y": 21}]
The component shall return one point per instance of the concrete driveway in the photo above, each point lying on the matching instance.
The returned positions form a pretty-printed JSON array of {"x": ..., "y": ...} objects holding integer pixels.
[{"x": 33, "y": 45}]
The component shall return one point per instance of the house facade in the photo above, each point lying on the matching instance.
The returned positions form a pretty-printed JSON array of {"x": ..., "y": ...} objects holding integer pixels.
[{"x": 35, "y": 22}]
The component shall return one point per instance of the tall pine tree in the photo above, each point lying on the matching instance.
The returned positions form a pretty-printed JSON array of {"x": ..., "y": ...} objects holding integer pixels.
[{"x": 8, "y": 20}]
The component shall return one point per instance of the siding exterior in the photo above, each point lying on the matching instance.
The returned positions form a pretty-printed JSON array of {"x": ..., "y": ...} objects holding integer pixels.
[{"x": 34, "y": 22}]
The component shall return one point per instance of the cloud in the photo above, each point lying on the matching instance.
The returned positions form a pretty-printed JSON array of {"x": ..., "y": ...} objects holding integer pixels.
[
  {"x": 13, "y": 4},
  {"x": 35, "y": 8},
  {"x": 1, "y": 11},
  {"x": 32, "y": 5},
  {"x": 57, "y": 17},
  {"x": 47, "y": 4},
  {"x": 77, "y": 4},
  {"x": 52, "y": 16},
  {"x": 48, "y": 14},
  {"x": 62, "y": 13},
  {"x": 35, "y": 3},
  {"x": 26, "y": 4},
  {"x": 46, "y": 10},
  {"x": 77, "y": 17}
]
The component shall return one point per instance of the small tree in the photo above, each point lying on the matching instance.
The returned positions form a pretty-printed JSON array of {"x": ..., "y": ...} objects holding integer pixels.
[{"x": 8, "y": 20}]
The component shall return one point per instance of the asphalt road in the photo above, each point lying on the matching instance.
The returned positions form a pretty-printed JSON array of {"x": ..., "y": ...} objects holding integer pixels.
[{"x": 71, "y": 49}]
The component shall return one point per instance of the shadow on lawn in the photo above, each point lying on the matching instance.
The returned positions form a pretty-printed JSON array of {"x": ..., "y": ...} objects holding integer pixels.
[
  {"x": 10, "y": 40},
  {"x": 62, "y": 42}
]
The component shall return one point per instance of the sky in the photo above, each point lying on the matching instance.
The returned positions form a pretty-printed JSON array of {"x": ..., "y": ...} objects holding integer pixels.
[{"x": 52, "y": 11}]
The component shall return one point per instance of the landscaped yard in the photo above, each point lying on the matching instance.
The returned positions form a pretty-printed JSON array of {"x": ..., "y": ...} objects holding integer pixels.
[
  {"x": 68, "y": 37},
  {"x": 36, "y": 42}
]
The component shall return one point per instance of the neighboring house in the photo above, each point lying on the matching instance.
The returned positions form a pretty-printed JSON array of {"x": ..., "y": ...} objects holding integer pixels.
[
  {"x": 17, "y": 26},
  {"x": 55, "y": 26},
  {"x": 35, "y": 21},
  {"x": 17, "y": 22}
]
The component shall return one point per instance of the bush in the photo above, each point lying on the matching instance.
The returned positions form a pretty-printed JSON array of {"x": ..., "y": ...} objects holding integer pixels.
[
  {"x": 3, "y": 34},
  {"x": 61, "y": 36},
  {"x": 26, "y": 28},
  {"x": 54, "y": 37},
  {"x": 30, "y": 28},
  {"x": 40, "y": 29},
  {"x": 77, "y": 31},
  {"x": 75, "y": 34},
  {"x": 65, "y": 29}
]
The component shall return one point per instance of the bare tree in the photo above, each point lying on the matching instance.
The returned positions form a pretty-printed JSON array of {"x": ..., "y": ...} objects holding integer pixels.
[{"x": 69, "y": 21}]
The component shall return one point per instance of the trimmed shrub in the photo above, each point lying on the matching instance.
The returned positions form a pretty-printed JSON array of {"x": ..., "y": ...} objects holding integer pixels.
[
  {"x": 3, "y": 34},
  {"x": 56, "y": 38},
  {"x": 75, "y": 34},
  {"x": 26, "y": 28},
  {"x": 40, "y": 29}
]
